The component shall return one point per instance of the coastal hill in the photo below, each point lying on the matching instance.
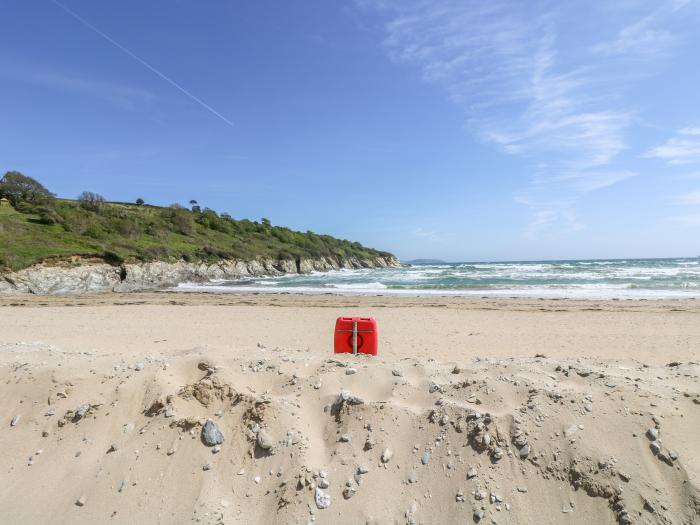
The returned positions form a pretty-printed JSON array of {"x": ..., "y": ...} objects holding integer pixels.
[{"x": 38, "y": 229}]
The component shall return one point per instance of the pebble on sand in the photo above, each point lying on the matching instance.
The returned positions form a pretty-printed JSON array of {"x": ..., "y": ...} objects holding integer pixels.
[
  {"x": 265, "y": 440},
  {"x": 387, "y": 454},
  {"x": 211, "y": 435},
  {"x": 323, "y": 500}
]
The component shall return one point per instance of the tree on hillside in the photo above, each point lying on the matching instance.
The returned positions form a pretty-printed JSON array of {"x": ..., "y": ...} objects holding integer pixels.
[
  {"x": 17, "y": 188},
  {"x": 139, "y": 201},
  {"x": 91, "y": 201}
]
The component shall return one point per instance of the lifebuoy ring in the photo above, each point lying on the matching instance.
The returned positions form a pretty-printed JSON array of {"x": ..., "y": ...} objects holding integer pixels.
[{"x": 360, "y": 341}]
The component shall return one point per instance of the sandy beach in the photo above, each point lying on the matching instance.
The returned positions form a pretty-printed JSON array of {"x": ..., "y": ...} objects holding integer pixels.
[{"x": 490, "y": 410}]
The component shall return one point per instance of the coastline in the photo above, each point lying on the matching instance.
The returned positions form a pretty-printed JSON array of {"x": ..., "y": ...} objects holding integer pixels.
[{"x": 90, "y": 275}]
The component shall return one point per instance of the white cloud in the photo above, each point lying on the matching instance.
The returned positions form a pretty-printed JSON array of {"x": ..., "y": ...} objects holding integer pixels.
[
  {"x": 640, "y": 39},
  {"x": 692, "y": 198},
  {"x": 594, "y": 180},
  {"x": 521, "y": 89},
  {"x": 684, "y": 148},
  {"x": 686, "y": 220},
  {"x": 531, "y": 89},
  {"x": 499, "y": 61}
]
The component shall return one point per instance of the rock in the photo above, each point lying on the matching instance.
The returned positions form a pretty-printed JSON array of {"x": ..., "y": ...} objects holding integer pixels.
[
  {"x": 663, "y": 456},
  {"x": 138, "y": 367},
  {"x": 434, "y": 387},
  {"x": 524, "y": 452},
  {"x": 216, "y": 449},
  {"x": 170, "y": 452},
  {"x": 206, "y": 466},
  {"x": 349, "y": 492},
  {"x": 323, "y": 483},
  {"x": 387, "y": 454},
  {"x": 112, "y": 448},
  {"x": 588, "y": 407},
  {"x": 15, "y": 420},
  {"x": 169, "y": 412},
  {"x": 359, "y": 473},
  {"x": 80, "y": 502},
  {"x": 412, "y": 477},
  {"x": 425, "y": 458},
  {"x": 471, "y": 473},
  {"x": 522, "y": 489},
  {"x": 456, "y": 370},
  {"x": 520, "y": 441},
  {"x": 350, "y": 371},
  {"x": 347, "y": 397},
  {"x": 673, "y": 455},
  {"x": 655, "y": 447},
  {"x": 264, "y": 440},
  {"x": 81, "y": 412},
  {"x": 211, "y": 435},
  {"x": 478, "y": 515},
  {"x": 396, "y": 373},
  {"x": 91, "y": 277},
  {"x": 497, "y": 453},
  {"x": 323, "y": 500},
  {"x": 652, "y": 434},
  {"x": 345, "y": 438}
]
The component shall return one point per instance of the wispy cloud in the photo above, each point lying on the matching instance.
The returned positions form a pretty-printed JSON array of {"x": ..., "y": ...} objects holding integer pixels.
[
  {"x": 594, "y": 180},
  {"x": 683, "y": 148},
  {"x": 547, "y": 214},
  {"x": 529, "y": 89},
  {"x": 686, "y": 220},
  {"x": 692, "y": 198},
  {"x": 640, "y": 39},
  {"x": 128, "y": 97}
]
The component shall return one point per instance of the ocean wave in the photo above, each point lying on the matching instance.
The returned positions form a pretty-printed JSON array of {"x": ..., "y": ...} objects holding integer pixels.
[{"x": 595, "y": 279}]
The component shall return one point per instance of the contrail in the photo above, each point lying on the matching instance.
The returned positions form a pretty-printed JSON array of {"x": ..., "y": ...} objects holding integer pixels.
[{"x": 142, "y": 61}]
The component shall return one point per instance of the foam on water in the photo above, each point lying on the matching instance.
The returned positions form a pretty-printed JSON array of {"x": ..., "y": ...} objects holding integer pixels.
[{"x": 604, "y": 279}]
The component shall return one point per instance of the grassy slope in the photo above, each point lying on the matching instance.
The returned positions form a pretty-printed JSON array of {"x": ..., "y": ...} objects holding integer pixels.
[{"x": 126, "y": 232}]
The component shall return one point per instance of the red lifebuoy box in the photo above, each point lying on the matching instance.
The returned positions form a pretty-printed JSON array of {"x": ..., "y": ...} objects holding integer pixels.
[{"x": 356, "y": 335}]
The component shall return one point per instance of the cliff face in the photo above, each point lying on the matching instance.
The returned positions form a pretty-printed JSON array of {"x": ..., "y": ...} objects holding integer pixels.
[{"x": 101, "y": 277}]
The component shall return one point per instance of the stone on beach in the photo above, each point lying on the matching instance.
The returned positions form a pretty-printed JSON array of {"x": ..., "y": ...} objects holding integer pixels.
[
  {"x": 265, "y": 440},
  {"x": 211, "y": 435}
]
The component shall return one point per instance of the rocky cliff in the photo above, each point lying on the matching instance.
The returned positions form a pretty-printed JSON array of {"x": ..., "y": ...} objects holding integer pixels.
[{"x": 93, "y": 276}]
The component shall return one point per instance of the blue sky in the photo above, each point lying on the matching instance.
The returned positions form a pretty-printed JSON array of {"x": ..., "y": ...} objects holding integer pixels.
[{"x": 464, "y": 130}]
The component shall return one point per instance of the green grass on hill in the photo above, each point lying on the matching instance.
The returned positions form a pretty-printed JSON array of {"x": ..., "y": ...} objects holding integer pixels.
[{"x": 128, "y": 232}]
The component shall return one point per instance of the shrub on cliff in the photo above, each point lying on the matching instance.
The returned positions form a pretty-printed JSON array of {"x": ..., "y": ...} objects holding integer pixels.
[
  {"x": 91, "y": 201},
  {"x": 16, "y": 188}
]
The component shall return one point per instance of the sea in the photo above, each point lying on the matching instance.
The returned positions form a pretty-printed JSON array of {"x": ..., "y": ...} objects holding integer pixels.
[{"x": 676, "y": 278}]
